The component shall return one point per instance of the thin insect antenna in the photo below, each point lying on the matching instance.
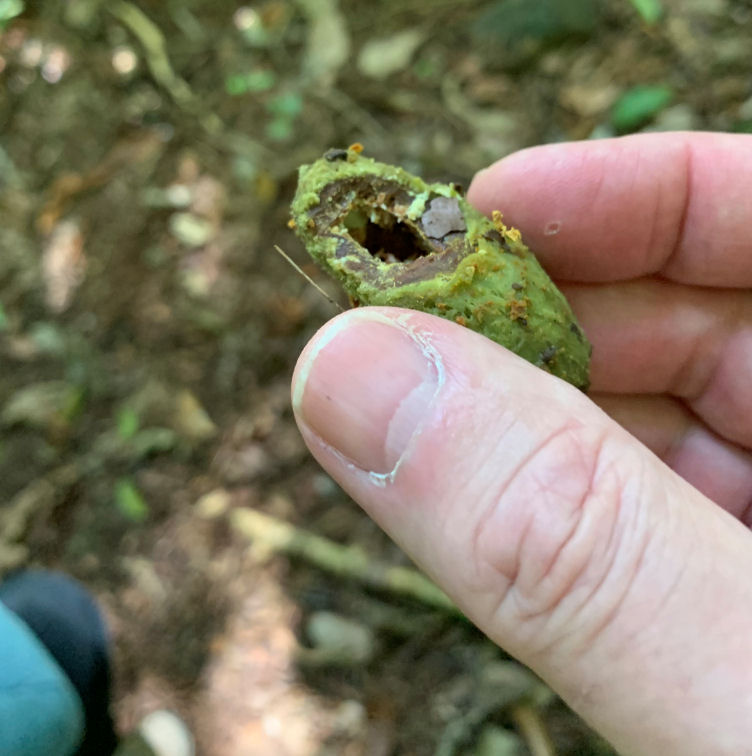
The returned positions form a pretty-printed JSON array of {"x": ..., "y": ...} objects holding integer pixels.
[{"x": 307, "y": 277}]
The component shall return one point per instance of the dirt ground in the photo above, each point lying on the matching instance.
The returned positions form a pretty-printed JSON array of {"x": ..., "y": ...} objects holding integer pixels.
[{"x": 148, "y": 330}]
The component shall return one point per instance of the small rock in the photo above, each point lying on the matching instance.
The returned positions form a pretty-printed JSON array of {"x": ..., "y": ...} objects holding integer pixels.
[
  {"x": 496, "y": 741},
  {"x": 213, "y": 504},
  {"x": 174, "y": 196},
  {"x": 167, "y": 734},
  {"x": 706, "y": 7},
  {"x": 730, "y": 51},
  {"x": 191, "y": 420},
  {"x": 350, "y": 718},
  {"x": 382, "y": 57},
  {"x": 339, "y": 640},
  {"x": 191, "y": 230},
  {"x": 602, "y": 131},
  {"x": 588, "y": 99},
  {"x": 328, "y": 40},
  {"x": 242, "y": 465},
  {"x": 63, "y": 264},
  {"x": 676, "y": 118},
  {"x": 324, "y": 486}
]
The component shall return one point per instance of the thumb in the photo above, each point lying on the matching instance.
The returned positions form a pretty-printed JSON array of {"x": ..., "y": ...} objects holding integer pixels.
[{"x": 557, "y": 533}]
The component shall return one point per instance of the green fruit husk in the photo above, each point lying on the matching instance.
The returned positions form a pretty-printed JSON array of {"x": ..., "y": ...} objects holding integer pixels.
[{"x": 368, "y": 225}]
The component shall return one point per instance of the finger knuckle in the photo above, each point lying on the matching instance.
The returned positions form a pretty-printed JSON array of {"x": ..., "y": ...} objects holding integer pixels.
[{"x": 565, "y": 518}]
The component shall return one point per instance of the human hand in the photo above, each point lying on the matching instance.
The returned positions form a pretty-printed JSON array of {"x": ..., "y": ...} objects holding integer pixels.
[{"x": 622, "y": 576}]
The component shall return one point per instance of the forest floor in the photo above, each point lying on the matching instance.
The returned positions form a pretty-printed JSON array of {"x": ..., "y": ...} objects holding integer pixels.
[{"x": 148, "y": 330}]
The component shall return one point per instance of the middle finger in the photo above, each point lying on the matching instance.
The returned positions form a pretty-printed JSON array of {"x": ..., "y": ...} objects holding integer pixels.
[
  {"x": 717, "y": 468},
  {"x": 651, "y": 336}
]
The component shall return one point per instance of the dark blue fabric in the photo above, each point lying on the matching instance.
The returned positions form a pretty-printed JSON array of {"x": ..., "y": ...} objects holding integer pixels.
[
  {"x": 64, "y": 617},
  {"x": 40, "y": 711}
]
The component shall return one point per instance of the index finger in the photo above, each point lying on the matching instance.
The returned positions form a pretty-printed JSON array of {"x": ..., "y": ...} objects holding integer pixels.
[{"x": 675, "y": 204}]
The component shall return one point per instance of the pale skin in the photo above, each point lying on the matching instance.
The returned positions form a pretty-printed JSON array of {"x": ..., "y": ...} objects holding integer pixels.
[{"x": 609, "y": 551}]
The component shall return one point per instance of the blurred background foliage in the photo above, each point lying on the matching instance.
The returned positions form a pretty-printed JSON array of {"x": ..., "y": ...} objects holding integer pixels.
[{"x": 148, "y": 154}]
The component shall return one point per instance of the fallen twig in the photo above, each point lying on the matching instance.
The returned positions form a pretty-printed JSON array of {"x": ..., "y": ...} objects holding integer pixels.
[
  {"x": 154, "y": 47},
  {"x": 499, "y": 685},
  {"x": 34, "y": 502},
  {"x": 155, "y": 50},
  {"x": 533, "y": 730},
  {"x": 348, "y": 561}
]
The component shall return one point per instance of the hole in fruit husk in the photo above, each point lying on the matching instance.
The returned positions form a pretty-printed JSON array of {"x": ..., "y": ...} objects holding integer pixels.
[{"x": 385, "y": 236}]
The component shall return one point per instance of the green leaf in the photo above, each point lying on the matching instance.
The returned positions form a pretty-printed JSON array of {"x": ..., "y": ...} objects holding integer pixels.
[
  {"x": 48, "y": 338},
  {"x": 649, "y": 10},
  {"x": 425, "y": 68},
  {"x": 129, "y": 501},
  {"x": 742, "y": 127},
  {"x": 3, "y": 319},
  {"x": 514, "y": 23},
  {"x": 638, "y": 105},
  {"x": 127, "y": 423},
  {"x": 153, "y": 441},
  {"x": 43, "y": 405},
  {"x": 288, "y": 104},
  {"x": 284, "y": 108},
  {"x": 235, "y": 85},
  {"x": 259, "y": 80},
  {"x": 279, "y": 129},
  {"x": 9, "y": 9},
  {"x": 75, "y": 403}
]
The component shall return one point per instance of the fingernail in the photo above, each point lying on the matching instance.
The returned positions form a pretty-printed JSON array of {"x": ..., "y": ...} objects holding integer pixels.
[{"x": 365, "y": 387}]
